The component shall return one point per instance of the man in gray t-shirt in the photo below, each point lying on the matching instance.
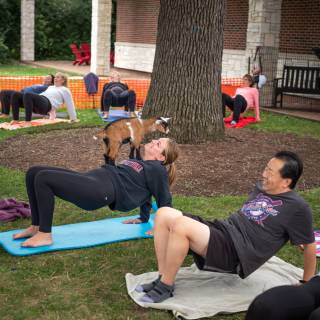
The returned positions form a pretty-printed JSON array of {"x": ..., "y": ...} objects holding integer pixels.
[
  {"x": 265, "y": 223},
  {"x": 272, "y": 215}
]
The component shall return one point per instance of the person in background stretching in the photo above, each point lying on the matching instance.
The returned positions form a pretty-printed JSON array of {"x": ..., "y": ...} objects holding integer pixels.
[
  {"x": 9, "y": 97},
  {"x": 123, "y": 188},
  {"x": 48, "y": 102},
  {"x": 246, "y": 96},
  {"x": 117, "y": 94}
]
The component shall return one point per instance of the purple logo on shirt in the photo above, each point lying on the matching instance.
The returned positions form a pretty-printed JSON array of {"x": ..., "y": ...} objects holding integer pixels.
[
  {"x": 260, "y": 208},
  {"x": 134, "y": 165}
]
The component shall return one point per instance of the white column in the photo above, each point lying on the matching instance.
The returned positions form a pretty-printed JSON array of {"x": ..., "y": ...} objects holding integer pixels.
[
  {"x": 264, "y": 21},
  {"x": 27, "y": 30},
  {"x": 101, "y": 36}
]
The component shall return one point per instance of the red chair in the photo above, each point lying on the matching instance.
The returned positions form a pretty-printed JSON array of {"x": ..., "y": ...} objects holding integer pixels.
[
  {"x": 79, "y": 57},
  {"x": 112, "y": 57},
  {"x": 85, "y": 50}
]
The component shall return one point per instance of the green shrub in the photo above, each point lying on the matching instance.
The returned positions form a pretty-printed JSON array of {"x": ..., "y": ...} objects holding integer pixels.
[
  {"x": 9, "y": 29},
  {"x": 4, "y": 52},
  {"x": 58, "y": 23}
]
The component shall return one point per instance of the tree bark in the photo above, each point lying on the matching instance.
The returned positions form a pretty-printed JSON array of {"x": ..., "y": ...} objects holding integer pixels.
[{"x": 186, "y": 77}]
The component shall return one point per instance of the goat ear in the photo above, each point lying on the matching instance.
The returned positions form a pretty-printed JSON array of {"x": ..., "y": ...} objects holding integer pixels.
[
  {"x": 159, "y": 121},
  {"x": 165, "y": 119}
]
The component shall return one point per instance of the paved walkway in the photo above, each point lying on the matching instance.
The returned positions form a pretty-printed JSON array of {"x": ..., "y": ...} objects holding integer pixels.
[{"x": 83, "y": 69}]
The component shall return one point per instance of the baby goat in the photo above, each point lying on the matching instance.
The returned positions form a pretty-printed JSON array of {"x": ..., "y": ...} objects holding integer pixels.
[{"x": 129, "y": 130}]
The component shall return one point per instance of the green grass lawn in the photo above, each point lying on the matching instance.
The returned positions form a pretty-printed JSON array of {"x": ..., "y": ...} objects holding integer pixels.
[
  {"x": 286, "y": 124},
  {"x": 89, "y": 283},
  {"x": 18, "y": 69}
]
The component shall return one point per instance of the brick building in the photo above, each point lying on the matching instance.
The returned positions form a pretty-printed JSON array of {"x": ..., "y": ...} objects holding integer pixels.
[{"x": 290, "y": 26}]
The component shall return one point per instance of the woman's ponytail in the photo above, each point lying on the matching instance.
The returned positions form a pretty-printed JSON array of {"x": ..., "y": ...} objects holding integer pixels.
[
  {"x": 172, "y": 173},
  {"x": 171, "y": 155}
]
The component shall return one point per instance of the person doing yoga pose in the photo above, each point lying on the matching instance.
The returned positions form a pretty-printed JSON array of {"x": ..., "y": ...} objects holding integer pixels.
[
  {"x": 272, "y": 215},
  {"x": 117, "y": 94},
  {"x": 246, "y": 96},
  {"x": 47, "y": 102},
  {"x": 12, "y": 97},
  {"x": 124, "y": 187}
]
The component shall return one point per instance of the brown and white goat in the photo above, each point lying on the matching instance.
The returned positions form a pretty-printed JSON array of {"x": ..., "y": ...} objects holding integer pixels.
[{"x": 130, "y": 131}]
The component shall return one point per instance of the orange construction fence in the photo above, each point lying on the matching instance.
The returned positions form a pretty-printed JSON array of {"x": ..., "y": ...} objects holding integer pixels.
[{"x": 84, "y": 101}]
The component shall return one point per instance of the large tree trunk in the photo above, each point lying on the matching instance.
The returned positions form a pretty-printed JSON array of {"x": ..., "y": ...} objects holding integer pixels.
[{"x": 186, "y": 77}]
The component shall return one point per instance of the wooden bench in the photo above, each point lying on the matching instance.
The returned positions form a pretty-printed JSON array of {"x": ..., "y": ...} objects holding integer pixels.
[{"x": 298, "y": 80}]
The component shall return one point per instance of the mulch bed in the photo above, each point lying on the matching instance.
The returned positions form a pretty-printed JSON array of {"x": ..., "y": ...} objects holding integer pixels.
[{"x": 231, "y": 166}]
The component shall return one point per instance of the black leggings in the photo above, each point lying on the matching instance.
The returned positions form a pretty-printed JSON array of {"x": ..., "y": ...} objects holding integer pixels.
[
  {"x": 32, "y": 103},
  {"x": 16, "y": 103},
  {"x": 238, "y": 104},
  {"x": 89, "y": 191},
  {"x": 288, "y": 303},
  {"x": 5, "y": 99},
  {"x": 126, "y": 98}
]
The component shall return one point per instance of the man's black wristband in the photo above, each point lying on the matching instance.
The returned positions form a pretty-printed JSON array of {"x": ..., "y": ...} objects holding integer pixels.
[{"x": 302, "y": 281}]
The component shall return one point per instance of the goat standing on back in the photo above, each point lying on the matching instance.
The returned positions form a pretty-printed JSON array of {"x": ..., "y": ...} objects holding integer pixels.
[{"x": 129, "y": 131}]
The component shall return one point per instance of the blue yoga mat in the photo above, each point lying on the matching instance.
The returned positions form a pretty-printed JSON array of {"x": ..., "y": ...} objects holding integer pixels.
[
  {"x": 81, "y": 235},
  {"x": 114, "y": 115}
]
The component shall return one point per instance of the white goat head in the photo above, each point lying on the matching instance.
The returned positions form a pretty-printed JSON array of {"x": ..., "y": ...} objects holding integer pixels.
[{"x": 162, "y": 124}]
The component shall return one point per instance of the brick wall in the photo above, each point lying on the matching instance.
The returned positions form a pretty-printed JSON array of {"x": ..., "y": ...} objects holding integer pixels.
[
  {"x": 235, "y": 24},
  {"x": 137, "y": 21},
  {"x": 299, "y": 26}
]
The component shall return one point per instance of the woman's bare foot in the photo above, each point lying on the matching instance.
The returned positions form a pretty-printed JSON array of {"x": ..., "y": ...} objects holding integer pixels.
[
  {"x": 4, "y": 115},
  {"x": 14, "y": 122},
  {"x": 40, "y": 239},
  {"x": 132, "y": 221},
  {"x": 27, "y": 233}
]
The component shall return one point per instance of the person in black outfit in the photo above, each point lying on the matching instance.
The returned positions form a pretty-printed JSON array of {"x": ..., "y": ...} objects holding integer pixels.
[
  {"x": 15, "y": 98},
  {"x": 117, "y": 94},
  {"x": 288, "y": 303},
  {"x": 124, "y": 187}
]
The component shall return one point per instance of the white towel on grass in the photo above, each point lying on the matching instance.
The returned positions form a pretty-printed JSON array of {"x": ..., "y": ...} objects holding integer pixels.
[{"x": 200, "y": 294}]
